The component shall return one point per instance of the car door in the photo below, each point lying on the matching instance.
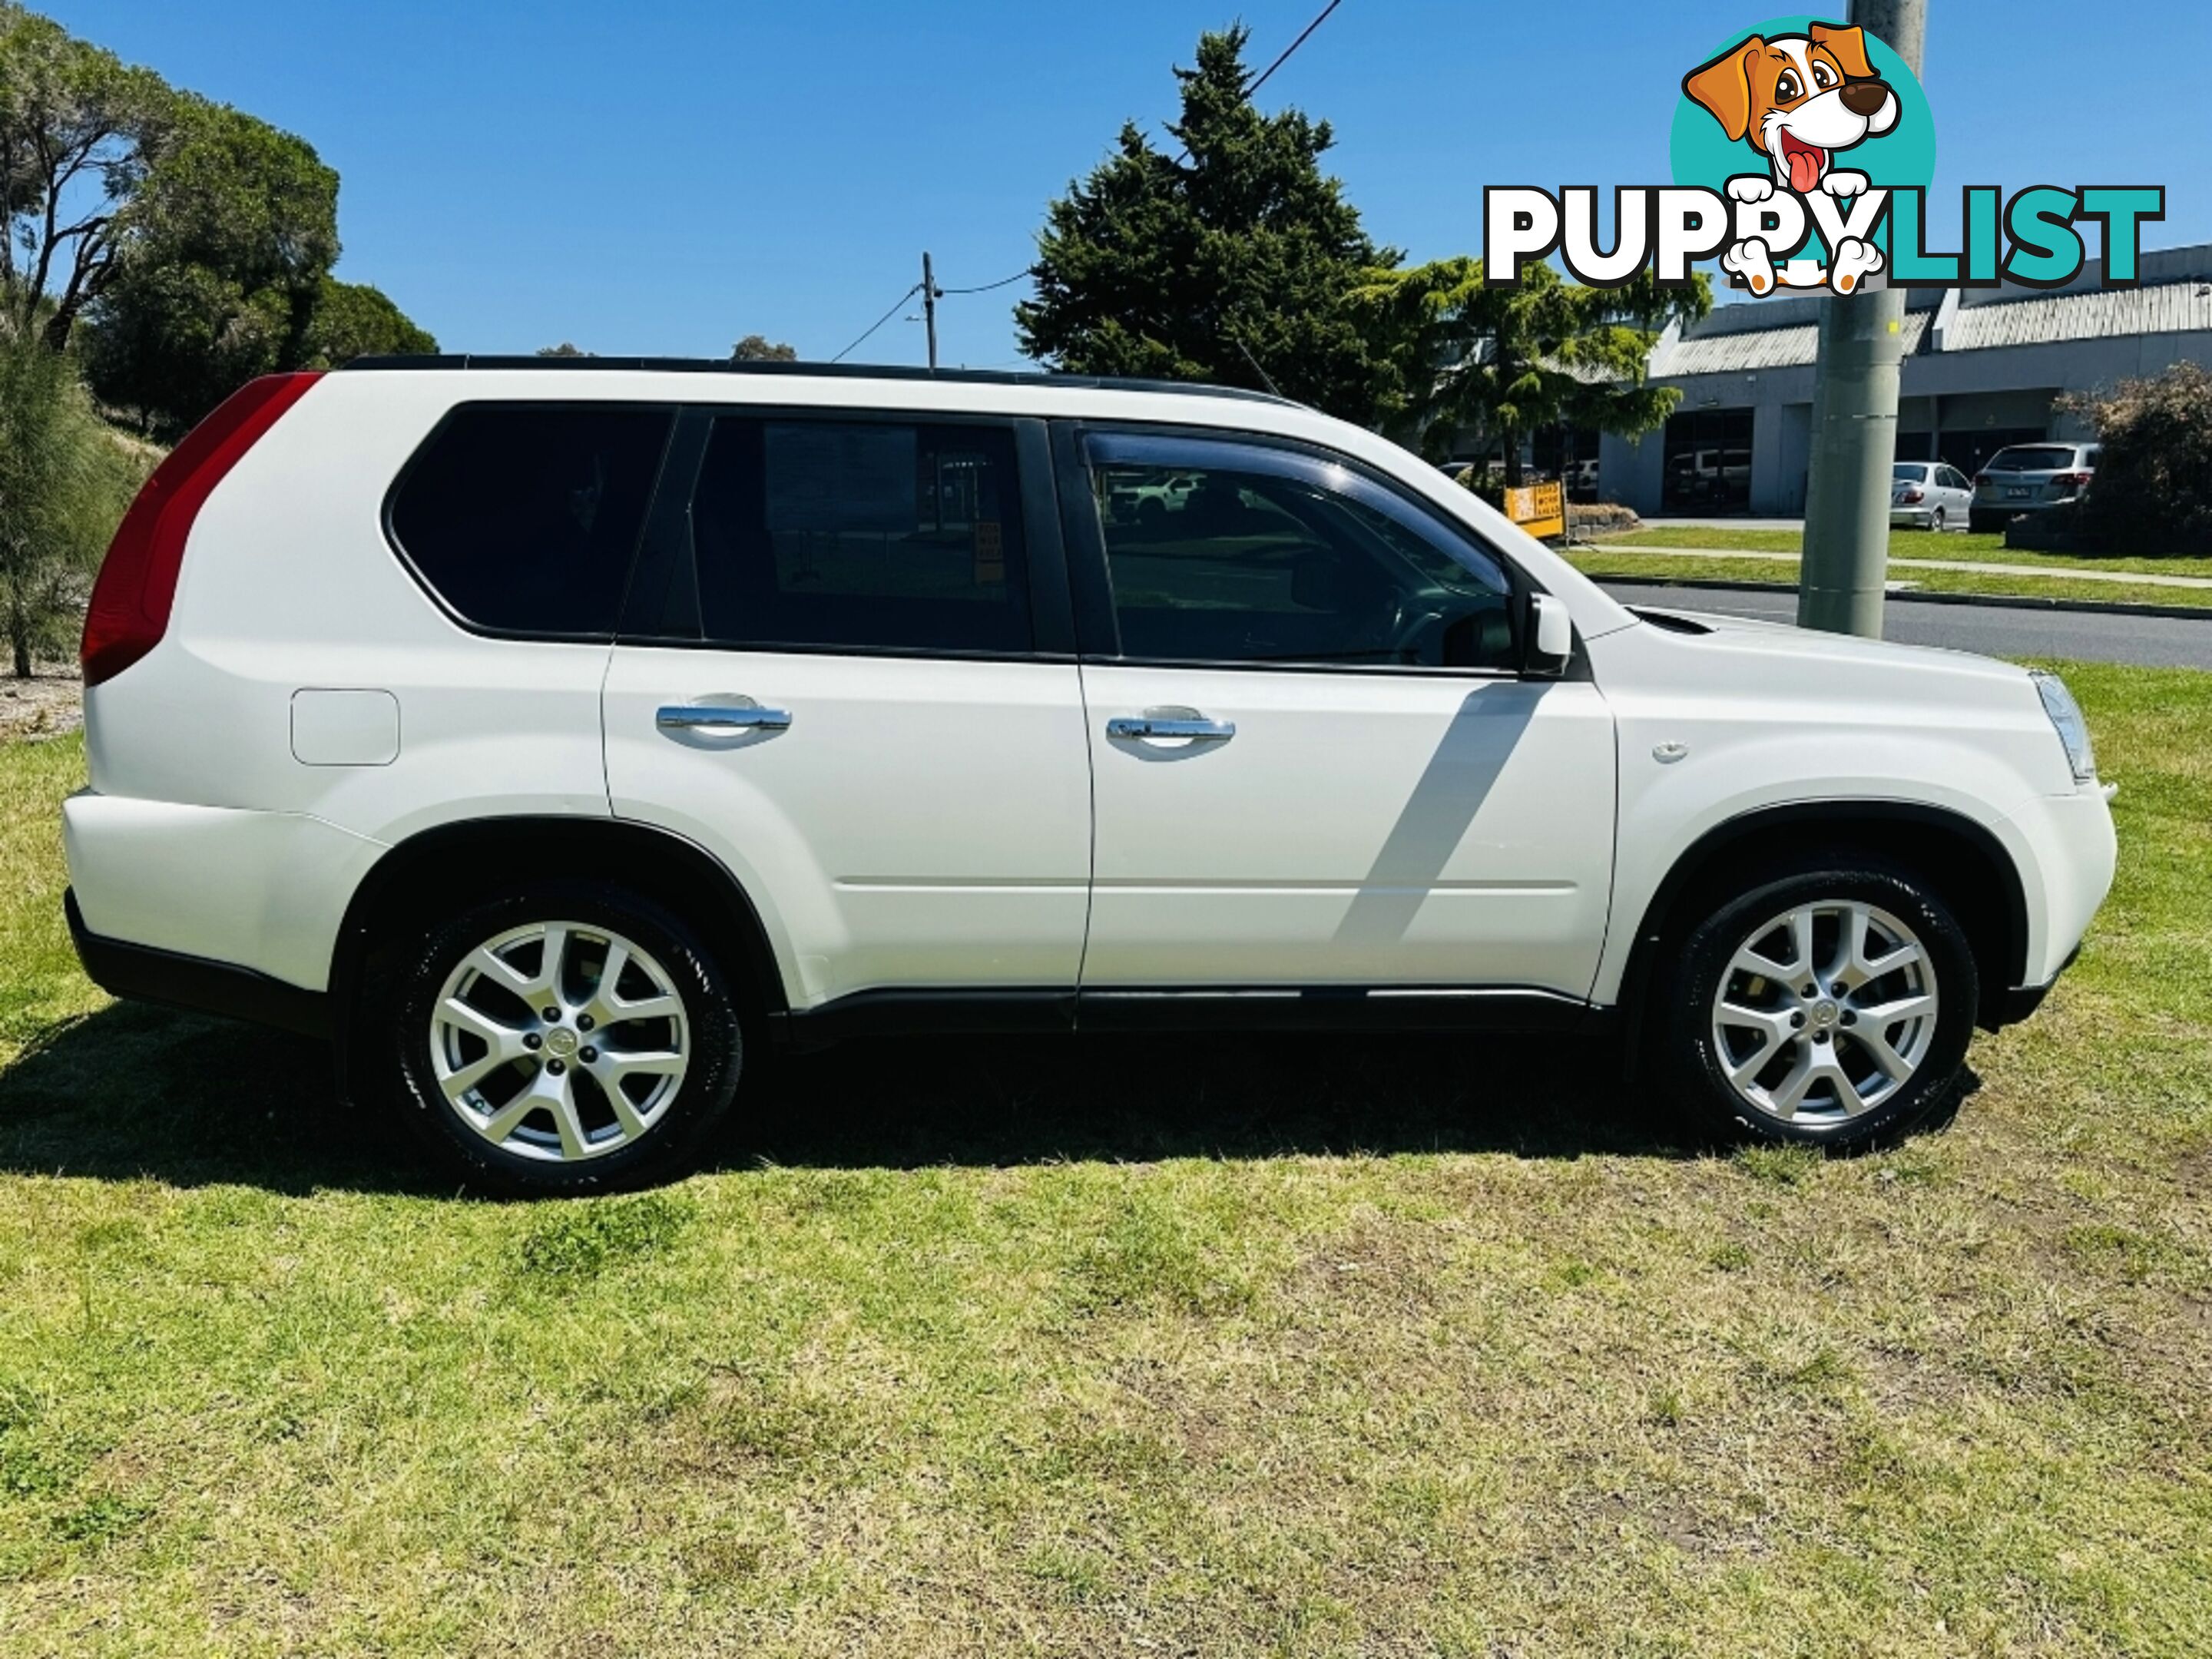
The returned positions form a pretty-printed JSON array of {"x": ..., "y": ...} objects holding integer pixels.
[
  {"x": 846, "y": 673},
  {"x": 1958, "y": 494},
  {"x": 1314, "y": 762}
]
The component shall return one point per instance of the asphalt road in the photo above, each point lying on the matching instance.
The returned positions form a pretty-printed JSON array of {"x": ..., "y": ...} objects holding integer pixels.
[{"x": 1991, "y": 630}]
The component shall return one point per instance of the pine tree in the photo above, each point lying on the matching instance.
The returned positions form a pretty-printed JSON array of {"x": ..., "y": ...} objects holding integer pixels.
[{"x": 1234, "y": 262}]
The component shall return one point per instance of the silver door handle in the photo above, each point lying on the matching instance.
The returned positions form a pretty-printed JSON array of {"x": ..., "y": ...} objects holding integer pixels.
[
  {"x": 709, "y": 718},
  {"x": 1197, "y": 729}
]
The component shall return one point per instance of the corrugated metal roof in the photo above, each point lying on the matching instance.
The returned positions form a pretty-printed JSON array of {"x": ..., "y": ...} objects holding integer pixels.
[
  {"x": 1742, "y": 351},
  {"x": 2166, "y": 308},
  {"x": 1742, "y": 338}
]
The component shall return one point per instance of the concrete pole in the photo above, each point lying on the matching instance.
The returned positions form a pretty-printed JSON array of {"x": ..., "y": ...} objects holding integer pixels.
[
  {"x": 929, "y": 305},
  {"x": 1854, "y": 416}
]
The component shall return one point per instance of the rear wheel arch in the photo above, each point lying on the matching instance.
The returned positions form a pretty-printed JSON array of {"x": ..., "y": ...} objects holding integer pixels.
[
  {"x": 432, "y": 875},
  {"x": 1966, "y": 864}
]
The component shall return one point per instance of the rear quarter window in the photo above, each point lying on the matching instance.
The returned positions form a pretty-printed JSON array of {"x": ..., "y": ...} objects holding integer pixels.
[{"x": 523, "y": 519}]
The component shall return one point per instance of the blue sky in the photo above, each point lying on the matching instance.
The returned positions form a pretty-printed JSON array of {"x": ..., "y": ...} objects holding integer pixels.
[{"x": 663, "y": 176}]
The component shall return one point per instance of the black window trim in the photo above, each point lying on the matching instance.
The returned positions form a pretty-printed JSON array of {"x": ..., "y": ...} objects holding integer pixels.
[
  {"x": 667, "y": 553},
  {"x": 1097, "y": 631},
  {"x": 487, "y": 630}
]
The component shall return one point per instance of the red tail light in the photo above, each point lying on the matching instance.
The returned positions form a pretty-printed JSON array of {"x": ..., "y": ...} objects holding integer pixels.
[
  {"x": 1980, "y": 478},
  {"x": 129, "y": 608},
  {"x": 2071, "y": 480},
  {"x": 1909, "y": 497}
]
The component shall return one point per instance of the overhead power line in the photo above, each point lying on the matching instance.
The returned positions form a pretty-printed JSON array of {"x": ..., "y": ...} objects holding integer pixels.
[
  {"x": 1304, "y": 34},
  {"x": 1295, "y": 45},
  {"x": 931, "y": 292},
  {"x": 986, "y": 287},
  {"x": 878, "y": 322}
]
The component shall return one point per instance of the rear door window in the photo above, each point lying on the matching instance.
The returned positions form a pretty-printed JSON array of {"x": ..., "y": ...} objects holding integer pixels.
[
  {"x": 832, "y": 535},
  {"x": 524, "y": 517}
]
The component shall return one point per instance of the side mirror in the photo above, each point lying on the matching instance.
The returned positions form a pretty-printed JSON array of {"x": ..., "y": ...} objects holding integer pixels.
[{"x": 1551, "y": 636}]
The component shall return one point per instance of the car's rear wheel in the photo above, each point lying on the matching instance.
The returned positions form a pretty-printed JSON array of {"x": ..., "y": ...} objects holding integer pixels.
[
  {"x": 1935, "y": 523},
  {"x": 571, "y": 1038},
  {"x": 1831, "y": 1003}
]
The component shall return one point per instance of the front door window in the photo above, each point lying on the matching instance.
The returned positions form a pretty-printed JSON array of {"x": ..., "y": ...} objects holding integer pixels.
[{"x": 1222, "y": 552}]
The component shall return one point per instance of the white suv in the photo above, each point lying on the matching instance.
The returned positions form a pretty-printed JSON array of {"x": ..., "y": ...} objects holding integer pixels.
[{"x": 558, "y": 737}]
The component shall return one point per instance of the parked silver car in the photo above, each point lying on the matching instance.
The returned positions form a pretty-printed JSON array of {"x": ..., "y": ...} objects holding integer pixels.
[
  {"x": 1929, "y": 495},
  {"x": 2030, "y": 478}
]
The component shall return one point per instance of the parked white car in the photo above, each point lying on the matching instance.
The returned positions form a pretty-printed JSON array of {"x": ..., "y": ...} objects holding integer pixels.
[
  {"x": 557, "y": 737},
  {"x": 1929, "y": 495}
]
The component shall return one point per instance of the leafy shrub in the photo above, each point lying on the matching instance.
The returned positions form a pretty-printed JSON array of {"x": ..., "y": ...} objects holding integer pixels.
[
  {"x": 65, "y": 481},
  {"x": 2154, "y": 488}
]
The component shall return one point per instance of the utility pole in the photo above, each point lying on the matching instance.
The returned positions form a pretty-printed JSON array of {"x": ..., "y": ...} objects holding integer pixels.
[
  {"x": 929, "y": 305},
  {"x": 1854, "y": 414}
]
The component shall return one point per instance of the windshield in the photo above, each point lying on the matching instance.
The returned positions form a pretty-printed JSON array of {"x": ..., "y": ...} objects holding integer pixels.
[
  {"x": 2033, "y": 458},
  {"x": 1910, "y": 472}
]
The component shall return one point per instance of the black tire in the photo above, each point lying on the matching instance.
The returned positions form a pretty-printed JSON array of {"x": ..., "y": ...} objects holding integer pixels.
[
  {"x": 713, "y": 1041},
  {"x": 1688, "y": 1049},
  {"x": 1938, "y": 522}
]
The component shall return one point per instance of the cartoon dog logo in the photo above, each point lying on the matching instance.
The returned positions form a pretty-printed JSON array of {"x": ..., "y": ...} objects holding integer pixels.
[{"x": 1797, "y": 100}]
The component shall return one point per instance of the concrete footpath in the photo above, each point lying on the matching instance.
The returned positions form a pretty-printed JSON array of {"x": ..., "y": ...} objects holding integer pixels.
[{"x": 2067, "y": 573}]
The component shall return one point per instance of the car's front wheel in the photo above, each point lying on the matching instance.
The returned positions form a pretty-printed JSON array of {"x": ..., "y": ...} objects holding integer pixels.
[
  {"x": 1830, "y": 1003},
  {"x": 570, "y": 1038}
]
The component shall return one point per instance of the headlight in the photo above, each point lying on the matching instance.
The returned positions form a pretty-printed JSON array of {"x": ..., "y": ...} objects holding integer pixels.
[{"x": 2073, "y": 731}]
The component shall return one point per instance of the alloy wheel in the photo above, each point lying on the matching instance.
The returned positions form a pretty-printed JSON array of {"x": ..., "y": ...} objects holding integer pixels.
[
  {"x": 559, "y": 1041},
  {"x": 1824, "y": 1012}
]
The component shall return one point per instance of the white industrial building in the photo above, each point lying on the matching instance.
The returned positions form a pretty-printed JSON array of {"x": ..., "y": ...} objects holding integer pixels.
[{"x": 1982, "y": 369}]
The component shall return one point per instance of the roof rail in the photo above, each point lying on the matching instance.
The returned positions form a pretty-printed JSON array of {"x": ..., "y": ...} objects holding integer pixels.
[{"x": 825, "y": 371}]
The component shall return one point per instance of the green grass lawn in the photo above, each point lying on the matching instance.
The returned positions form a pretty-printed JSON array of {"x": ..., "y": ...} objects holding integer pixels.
[
  {"x": 1615, "y": 561},
  {"x": 1908, "y": 544},
  {"x": 1288, "y": 1347}
]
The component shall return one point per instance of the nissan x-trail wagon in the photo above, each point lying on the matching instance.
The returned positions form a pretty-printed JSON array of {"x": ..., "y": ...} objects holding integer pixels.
[{"x": 560, "y": 739}]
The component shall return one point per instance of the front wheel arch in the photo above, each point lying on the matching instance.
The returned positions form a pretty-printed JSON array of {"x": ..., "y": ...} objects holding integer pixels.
[{"x": 1963, "y": 860}]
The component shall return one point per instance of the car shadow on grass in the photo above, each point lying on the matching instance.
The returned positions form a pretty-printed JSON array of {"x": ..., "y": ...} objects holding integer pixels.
[
  {"x": 914, "y": 1103},
  {"x": 139, "y": 1092},
  {"x": 134, "y": 1091}
]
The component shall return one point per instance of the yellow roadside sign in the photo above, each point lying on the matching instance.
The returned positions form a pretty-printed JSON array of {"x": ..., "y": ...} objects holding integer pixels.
[{"x": 1540, "y": 509}]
